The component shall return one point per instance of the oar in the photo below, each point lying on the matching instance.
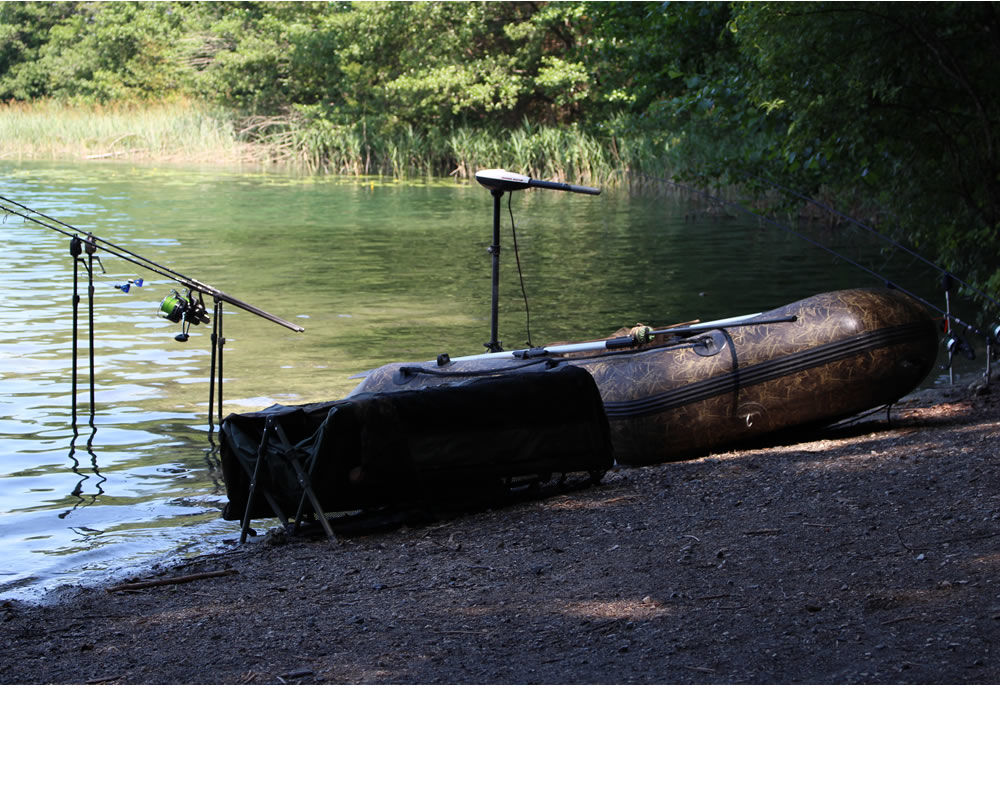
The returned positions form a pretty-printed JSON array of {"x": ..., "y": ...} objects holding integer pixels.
[{"x": 629, "y": 341}]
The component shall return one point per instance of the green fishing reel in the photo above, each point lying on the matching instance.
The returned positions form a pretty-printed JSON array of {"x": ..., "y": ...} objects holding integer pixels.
[{"x": 187, "y": 311}]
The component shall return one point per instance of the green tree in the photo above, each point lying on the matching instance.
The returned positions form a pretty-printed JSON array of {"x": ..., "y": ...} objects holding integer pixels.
[
  {"x": 896, "y": 102},
  {"x": 261, "y": 58},
  {"x": 24, "y": 28},
  {"x": 890, "y": 107},
  {"x": 95, "y": 51},
  {"x": 671, "y": 75}
]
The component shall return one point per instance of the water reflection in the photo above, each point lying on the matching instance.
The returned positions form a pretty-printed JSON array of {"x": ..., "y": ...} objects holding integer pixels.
[{"x": 77, "y": 492}]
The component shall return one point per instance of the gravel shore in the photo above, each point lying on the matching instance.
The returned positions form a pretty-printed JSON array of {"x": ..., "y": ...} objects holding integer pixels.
[{"x": 868, "y": 555}]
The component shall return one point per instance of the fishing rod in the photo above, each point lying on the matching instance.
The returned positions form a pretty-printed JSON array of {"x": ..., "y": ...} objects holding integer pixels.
[
  {"x": 948, "y": 275},
  {"x": 127, "y": 255},
  {"x": 187, "y": 310},
  {"x": 954, "y": 344},
  {"x": 948, "y": 280}
]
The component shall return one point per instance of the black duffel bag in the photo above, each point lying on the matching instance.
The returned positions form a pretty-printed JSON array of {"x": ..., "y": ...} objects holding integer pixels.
[{"x": 437, "y": 447}]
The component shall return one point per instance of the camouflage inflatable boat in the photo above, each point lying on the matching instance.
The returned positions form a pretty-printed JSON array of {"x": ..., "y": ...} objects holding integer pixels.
[{"x": 698, "y": 388}]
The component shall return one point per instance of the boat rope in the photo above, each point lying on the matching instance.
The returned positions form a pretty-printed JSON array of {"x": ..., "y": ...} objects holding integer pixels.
[
  {"x": 409, "y": 371},
  {"x": 731, "y": 345}
]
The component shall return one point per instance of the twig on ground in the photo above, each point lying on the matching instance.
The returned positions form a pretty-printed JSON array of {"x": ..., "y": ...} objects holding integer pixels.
[
  {"x": 123, "y": 587},
  {"x": 301, "y": 673},
  {"x": 105, "y": 679}
]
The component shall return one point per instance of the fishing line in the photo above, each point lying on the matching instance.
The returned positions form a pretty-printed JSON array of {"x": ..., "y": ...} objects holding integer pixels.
[
  {"x": 188, "y": 311},
  {"x": 142, "y": 261},
  {"x": 152, "y": 266}
]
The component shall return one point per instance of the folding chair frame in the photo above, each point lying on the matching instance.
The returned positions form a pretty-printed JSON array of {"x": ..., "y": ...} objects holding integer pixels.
[{"x": 257, "y": 480}]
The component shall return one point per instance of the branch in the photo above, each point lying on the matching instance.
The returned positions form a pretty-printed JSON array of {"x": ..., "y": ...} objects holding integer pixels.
[{"x": 197, "y": 576}]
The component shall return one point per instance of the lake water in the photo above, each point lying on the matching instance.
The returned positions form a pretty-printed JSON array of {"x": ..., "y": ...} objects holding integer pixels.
[{"x": 375, "y": 271}]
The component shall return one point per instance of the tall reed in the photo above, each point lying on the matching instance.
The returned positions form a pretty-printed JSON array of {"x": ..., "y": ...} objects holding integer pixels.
[
  {"x": 160, "y": 131},
  {"x": 182, "y": 130}
]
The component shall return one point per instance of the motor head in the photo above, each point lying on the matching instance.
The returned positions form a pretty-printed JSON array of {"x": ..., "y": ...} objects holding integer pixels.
[{"x": 500, "y": 179}]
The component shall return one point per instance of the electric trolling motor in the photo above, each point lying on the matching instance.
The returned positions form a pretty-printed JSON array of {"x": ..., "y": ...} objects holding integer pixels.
[{"x": 499, "y": 181}]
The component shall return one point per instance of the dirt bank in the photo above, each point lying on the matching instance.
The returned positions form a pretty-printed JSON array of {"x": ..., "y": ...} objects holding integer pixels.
[{"x": 867, "y": 556}]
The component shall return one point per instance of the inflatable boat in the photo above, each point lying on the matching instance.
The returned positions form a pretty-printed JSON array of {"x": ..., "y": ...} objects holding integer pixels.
[
  {"x": 428, "y": 433},
  {"x": 679, "y": 391}
]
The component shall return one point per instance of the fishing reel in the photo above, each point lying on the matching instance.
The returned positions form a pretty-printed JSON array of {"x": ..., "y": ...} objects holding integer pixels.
[
  {"x": 186, "y": 310},
  {"x": 956, "y": 344}
]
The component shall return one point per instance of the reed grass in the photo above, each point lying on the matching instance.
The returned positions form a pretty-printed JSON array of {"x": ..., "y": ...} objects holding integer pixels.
[
  {"x": 183, "y": 130},
  {"x": 557, "y": 153},
  {"x": 173, "y": 130}
]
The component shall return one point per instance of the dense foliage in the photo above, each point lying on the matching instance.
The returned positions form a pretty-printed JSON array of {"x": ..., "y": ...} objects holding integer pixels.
[
  {"x": 896, "y": 104},
  {"x": 885, "y": 107}
]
